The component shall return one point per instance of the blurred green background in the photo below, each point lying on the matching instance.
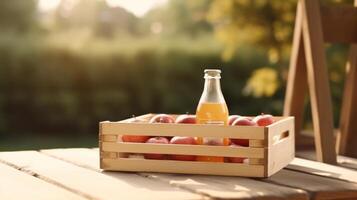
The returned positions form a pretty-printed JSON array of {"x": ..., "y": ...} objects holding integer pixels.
[{"x": 65, "y": 65}]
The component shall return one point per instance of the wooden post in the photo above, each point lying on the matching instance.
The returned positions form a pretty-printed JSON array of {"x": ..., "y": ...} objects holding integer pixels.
[
  {"x": 347, "y": 138},
  {"x": 297, "y": 78},
  {"x": 320, "y": 96},
  {"x": 308, "y": 63}
]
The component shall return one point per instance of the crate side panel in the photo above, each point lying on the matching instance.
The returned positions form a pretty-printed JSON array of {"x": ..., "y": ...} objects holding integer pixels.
[
  {"x": 185, "y": 167},
  {"x": 281, "y": 149}
]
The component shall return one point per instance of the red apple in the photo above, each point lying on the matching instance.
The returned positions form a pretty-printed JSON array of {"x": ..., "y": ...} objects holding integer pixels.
[
  {"x": 135, "y": 138},
  {"x": 263, "y": 120},
  {"x": 183, "y": 140},
  {"x": 235, "y": 159},
  {"x": 162, "y": 118},
  {"x": 186, "y": 119},
  {"x": 232, "y": 118},
  {"x": 242, "y": 121},
  {"x": 156, "y": 140},
  {"x": 241, "y": 142}
]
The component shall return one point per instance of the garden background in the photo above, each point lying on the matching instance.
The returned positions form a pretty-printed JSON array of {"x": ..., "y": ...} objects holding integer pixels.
[{"x": 65, "y": 65}]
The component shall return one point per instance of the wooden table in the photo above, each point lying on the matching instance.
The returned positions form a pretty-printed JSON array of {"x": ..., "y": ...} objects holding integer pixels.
[{"x": 75, "y": 174}]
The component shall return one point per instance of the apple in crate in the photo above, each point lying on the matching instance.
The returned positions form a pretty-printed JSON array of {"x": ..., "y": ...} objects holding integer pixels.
[
  {"x": 183, "y": 140},
  {"x": 242, "y": 121},
  {"x": 135, "y": 138},
  {"x": 186, "y": 119},
  {"x": 232, "y": 118},
  {"x": 156, "y": 140},
  {"x": 162, "y": 118},
  {"x": 235, "y": 159},
  {"x": 263, "y": 120}
]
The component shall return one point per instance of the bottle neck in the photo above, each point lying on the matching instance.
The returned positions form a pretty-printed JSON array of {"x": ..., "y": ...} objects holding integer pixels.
[
  {"x": 212, "y": 91},
  {"x": 212, "y": 85}
]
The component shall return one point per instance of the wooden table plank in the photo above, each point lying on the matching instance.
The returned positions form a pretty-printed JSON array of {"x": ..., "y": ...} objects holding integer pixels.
[
  {"x": 109, "y": 185},
  {"x": 347, "y": 162},
  {"x": 15, "y": 184},
  {"x": 225, "y": 187},
  {"x": 213, "y": 186},
  {"x": 342, "y": 161},
  {"x": 318, "y": 187},
  {"x": 323, "y": 169}
]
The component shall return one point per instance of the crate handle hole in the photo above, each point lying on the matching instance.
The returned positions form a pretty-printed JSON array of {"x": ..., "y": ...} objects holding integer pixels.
[{"x": 281, "y": 136}]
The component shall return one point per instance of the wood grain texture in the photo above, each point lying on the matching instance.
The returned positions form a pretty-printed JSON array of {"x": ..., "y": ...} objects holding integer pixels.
[
  {"x": 320, "y": 96},
  {"x": 318, "y": 187},
  {"x": 339, "y": 24},
  {"x": 198, "y": 130},
  {"x": 281, "y": 140},
  {"x": 322, "y": 169},
  {"x": 347, "y": 162},
  {"x": 342, "y": 161},
  {"x": 91, "y": 183},
  {"x": 231, "y": 187},
  {"x": 213, "y": 186},
  {"x": 15, "y": 184},
  {"x": 297, "y": 78},
  {"x": 347, "y": 138},
  {"x": 186, "y": 167}
]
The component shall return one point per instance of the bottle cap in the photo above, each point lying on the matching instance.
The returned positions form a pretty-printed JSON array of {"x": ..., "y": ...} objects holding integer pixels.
[{"x": 212, "y": 73}]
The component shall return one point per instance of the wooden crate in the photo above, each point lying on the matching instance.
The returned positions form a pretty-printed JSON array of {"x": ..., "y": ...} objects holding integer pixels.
[{"x": 270, "y": 148}]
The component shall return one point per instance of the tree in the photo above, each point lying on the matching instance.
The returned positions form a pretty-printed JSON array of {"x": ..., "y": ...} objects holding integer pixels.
[
  {"x": 263, "y": 24},
  {"x": 179, "y": 18},
  {"x": 96, "y": 16}
]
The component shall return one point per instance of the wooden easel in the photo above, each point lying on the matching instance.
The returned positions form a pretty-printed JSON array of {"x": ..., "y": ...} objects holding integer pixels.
[{"x": 315, "y": 25}]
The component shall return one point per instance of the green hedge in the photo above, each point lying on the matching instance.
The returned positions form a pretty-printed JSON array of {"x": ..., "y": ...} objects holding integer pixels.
[{"x": 52, "y": 89}]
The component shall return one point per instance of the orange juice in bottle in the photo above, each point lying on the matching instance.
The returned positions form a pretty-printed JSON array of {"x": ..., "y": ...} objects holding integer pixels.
[{"x": 212, "y": 109}]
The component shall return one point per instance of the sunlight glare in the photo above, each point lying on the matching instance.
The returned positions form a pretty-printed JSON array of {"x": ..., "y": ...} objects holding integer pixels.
[
  {"x": 138, "y": 7},
  {"x": 46, "y": 5}
]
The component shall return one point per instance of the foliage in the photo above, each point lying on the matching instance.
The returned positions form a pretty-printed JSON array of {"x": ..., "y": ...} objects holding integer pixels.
[
  {"x": 263, "y": 22},
  {"x": 179, "y": 18},
  {"x": 94, "y": 15},
  {"x": 263, "y": 82},
  {"x": 55, "y": 88},
  {"x": 17, "y": 15},
  {"x": 66, "y": 76}
]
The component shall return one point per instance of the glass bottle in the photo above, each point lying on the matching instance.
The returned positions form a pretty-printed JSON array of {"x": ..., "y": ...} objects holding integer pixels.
[{"x": 212, "y": 109}]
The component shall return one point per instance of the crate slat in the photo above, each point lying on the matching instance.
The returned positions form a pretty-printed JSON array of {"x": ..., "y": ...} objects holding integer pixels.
[
  {"x": 183, "y": 167},
  {"x": 197, "y": 130},
  {"x": 184, "y": 149}
]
